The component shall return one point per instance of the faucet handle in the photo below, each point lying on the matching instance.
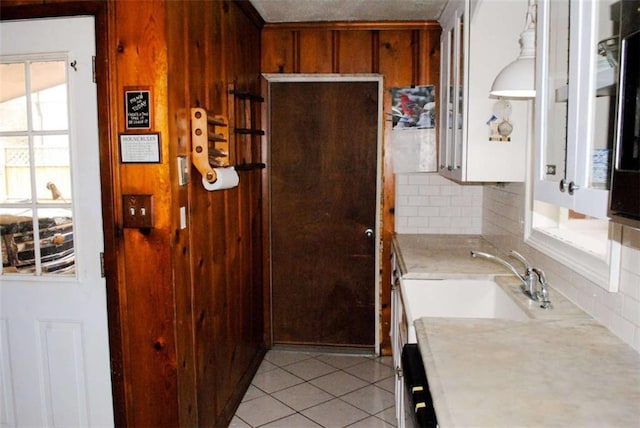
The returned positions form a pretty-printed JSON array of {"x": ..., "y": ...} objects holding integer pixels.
[
  {"x": 543, "y": 294},
  {"x": 520, "y": 257},
  {"x": 542, "y": 278}
]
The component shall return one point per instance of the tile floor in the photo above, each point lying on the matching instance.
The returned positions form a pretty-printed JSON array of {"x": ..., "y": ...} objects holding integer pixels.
[{"x": 307, "y": 389}]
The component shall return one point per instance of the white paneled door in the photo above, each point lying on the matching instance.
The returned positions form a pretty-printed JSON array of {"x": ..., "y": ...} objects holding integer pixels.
[{"x": 54, "y": 351}]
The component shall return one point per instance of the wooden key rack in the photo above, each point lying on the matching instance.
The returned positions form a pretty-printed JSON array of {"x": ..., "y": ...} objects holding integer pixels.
[{"x": 209, "y": 142}]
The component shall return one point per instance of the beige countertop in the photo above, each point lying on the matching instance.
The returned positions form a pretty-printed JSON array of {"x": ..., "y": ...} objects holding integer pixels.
[
  {"x": 444, "y": 257},
  {"x": 561, "y": 368}
]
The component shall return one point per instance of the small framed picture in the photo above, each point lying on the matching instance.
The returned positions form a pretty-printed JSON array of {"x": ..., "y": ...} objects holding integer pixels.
[
  {"x": 137, "y": 104},
  {"x": 140, "y": 148}
]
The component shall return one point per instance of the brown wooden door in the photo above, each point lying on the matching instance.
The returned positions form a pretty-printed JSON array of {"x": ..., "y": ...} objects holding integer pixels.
[{"x": 323, "y": 199}]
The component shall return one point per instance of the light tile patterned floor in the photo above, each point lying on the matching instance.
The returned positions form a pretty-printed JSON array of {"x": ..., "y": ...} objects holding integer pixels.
[{"x": 307, "y": 389}]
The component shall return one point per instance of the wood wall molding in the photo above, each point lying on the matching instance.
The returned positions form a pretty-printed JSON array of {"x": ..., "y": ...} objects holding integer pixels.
[{"x": 354, "y": 25}]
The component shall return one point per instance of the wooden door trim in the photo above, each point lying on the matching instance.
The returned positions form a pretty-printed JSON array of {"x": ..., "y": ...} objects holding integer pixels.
[{"x": 299, "y": 78}]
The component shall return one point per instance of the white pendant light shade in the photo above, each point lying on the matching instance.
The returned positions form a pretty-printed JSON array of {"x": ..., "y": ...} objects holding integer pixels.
[{"x": 517, "y": 80}]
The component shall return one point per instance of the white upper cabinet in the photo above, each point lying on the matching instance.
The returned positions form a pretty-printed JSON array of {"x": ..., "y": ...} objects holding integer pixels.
[
  {"x": 478, "y": 39},
  {"x": 575, "y": 105}
]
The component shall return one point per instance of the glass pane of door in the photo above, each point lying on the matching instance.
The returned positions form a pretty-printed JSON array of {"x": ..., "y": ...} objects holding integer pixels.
[
  {"x": 555, "y": 150},
  {"x": 605, "y": 67},
  {"x": 451, "y": 114},
  {"x": 459, "y": 93},
  {"x": 36, "y": 212},
  {"x": 13, "y": 103}
]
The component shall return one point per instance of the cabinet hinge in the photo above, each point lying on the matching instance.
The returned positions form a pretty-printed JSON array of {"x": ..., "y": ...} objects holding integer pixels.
[
  {"x": 102, "y": 275},
  {"x": 93, "y": 68}
]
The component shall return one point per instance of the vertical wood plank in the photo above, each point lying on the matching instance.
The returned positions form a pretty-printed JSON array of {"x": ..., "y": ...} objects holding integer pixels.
[
  {"x": 277, "y": 51},
  {"x": 185, "y": 44},
  {"x": 315, "y": 51},
  {"x": 355, "y": 52},
  {"x": 429, "y": 57}
]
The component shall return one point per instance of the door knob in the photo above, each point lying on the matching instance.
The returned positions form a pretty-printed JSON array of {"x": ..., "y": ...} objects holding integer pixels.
[
  {"x": 563, "y": 185},
  {"x": 573, "y": 187},
  {"x": 368, "y": 233}
]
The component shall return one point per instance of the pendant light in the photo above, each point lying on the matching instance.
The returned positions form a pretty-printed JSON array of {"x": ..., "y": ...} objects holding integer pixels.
[{"x": 517, "y": 80}]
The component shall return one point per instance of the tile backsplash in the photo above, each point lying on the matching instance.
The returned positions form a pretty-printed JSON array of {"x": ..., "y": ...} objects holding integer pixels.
[
  {"x": 429, "y": 203},
  {"x": 503, "y": 209}
]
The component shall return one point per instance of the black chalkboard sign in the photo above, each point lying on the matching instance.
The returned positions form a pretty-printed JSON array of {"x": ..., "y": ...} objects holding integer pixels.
[{"x": 138, "y": 108}]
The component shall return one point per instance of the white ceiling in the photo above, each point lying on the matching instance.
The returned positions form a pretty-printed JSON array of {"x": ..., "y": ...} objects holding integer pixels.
[{"x": 348, "y": 10}]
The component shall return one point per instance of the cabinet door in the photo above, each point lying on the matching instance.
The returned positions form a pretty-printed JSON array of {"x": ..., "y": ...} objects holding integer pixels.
[
  {"x": 453, "y": 69},
  {"x": 446, "y": 103},
  {"x": 479, "y": 38},
  {"x": 575, "y": 107}
]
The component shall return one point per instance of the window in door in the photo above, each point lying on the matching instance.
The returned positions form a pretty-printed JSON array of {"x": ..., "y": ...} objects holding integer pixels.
[{"x": 36, "y": 210}]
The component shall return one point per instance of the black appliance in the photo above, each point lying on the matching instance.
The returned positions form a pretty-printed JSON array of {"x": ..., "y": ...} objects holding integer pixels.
[{"x": 624, "y": 204}]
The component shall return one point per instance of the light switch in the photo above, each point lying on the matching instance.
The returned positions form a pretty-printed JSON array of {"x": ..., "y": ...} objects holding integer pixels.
[
  {"x": 183, "y": 217},
  {"x": 138, "y": 211},
  {"x": 183, "y": 171}
]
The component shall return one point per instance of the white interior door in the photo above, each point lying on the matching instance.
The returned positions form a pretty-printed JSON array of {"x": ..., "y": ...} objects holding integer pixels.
[{"x": 54, "y": 353}]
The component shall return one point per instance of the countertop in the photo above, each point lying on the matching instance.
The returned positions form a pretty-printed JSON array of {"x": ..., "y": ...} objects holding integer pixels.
[
  {"x": 561, "y": 368},
  {"x": 445, "y": 257}
]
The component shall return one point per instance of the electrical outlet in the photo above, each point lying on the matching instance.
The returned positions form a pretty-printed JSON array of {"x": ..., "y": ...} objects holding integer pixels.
[{"x": 138, "y": 211}]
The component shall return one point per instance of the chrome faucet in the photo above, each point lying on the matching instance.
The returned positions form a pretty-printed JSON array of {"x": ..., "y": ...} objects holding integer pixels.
[
  {"x": 533, "y": 282},
  {"x": 543, "y": 294}
]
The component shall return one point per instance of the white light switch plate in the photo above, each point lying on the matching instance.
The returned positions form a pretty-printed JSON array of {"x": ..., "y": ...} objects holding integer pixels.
[
  {"x": 183, "y": 217},
  {"x": 183, "y": 171}
]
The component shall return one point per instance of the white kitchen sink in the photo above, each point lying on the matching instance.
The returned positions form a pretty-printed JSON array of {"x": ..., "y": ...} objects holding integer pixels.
[{"x": 456, "y": 298}]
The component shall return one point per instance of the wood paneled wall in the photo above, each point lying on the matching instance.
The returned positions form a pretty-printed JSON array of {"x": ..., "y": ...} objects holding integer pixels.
[
  {"x": 404, "y": 53},
  {"x": 185, "y": 304}
]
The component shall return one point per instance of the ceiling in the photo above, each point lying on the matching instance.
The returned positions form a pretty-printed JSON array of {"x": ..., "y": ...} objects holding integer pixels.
[{"x": 348, "y": 10}]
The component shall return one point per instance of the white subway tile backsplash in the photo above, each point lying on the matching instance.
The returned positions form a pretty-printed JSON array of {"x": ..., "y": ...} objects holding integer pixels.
[
  {"x": 408, "y": 190},
  {"x": 417, "y": 201},
  {"x": 461, "y": 201},
  {"x": 440, "y": 222},
  {"x": 613, "y": 301},
  {"x": 438, "y": 201},
  {"x": 431, "y": 211},
  {"x": 418, "y": 222},
  {"x": 443, "y": 206},
  {"x": 407, "y": 211},
  {"x": 629, "y": 283},
  {"x": 450, "y": 190},
  {"x": 631, "y": 310},
  {"x": 460, "y": 223},
  {"x": 622, "y": 328},
  {"x": 430, "y": 190},
  {"x": 419, "y": 179}
]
